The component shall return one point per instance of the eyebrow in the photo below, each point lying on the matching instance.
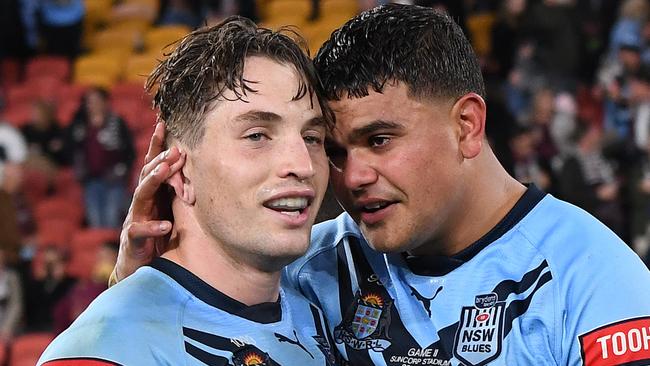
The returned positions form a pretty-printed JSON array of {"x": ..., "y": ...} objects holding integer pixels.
[
  {"x": 257, "y": 116},
  {"x": 372, "y": 127},
  {"x": 262, "y": 116}
]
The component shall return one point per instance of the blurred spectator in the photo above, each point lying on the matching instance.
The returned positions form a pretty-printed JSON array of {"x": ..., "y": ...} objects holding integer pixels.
[
  {"x": 13, "y": 152},
  {"x": 44, "y": 138},
  {"x": 505, "y": 38},
  {"x": 524, "y": 164},
  {"x": 640, "y": 99},
  {"x": 181, "y": 12},
  {"x": 627, "y": 28},
  {"x": 86, "y": 290},
  {"x": 640, "y": 204},
  {"x": 48, "y": 285},
  {"x": 13, "y": 39},
  {"x": 56, "y": 24},
  {"x": 587, "y": 179},
  {"x": 551, "y": 25},
  {"x": 102, "y": 150},
  {"x": 541, "y": 118},
  {"x": 11, "y": 301}
]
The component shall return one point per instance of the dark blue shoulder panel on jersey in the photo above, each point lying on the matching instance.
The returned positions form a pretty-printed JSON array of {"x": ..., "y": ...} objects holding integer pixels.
[
  {"x": 441, "y": 265},
  {"x": 268, "y": 312}
]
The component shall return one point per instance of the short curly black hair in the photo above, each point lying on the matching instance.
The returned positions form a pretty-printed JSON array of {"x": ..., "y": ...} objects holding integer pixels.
[
  {"x": 422, "y": 48},
  {"x": 210, "y": 61}
]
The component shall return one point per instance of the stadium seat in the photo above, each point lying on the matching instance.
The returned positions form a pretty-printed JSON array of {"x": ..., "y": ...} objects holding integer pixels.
[
  {"x": 55, "y": 231},
  {"x": 479, "y": 26},
  {"x": 82, "y": 262},
  {"x": 129, "y": 110},
  {"x": 111, "y": 38},
  {"x": 92, "y": 238},
  {"x": 130, "y": 90},
  {"x": 17, "y": 114},
  {"x": 340, "y": 8},
  {"x": 20, "y": 94},
  {"x": 60, "y": 207},
  {"x": 97, "y": 70},
  {"x": 159, "y": 38},
  {"x": 66, "y": 110},
  {"x": 139, "y": 66},
  {"x": 52, "y": 66},
  {"x": 10, "y": 72},
  {"x": 27, "y": 348},
  {"x": 66, "y": 185},
  {"x": 278, "y": 9},
  {"x": 97, "y": 14},
  {"x": 36, "y": 183},
  {"x": 45, "y": 87}
]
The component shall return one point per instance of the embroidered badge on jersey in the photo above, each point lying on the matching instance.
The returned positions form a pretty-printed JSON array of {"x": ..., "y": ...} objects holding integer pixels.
[
  {"x": 366, "y": 323},
  {"x": 252, "y": 356},
  {"x": 622, "y": 343},
  {"x": 480, "y": 331}
]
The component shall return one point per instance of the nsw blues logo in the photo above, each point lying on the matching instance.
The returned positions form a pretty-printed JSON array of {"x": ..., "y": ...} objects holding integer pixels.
[
  {"x": 366, "y": 323},
  {"x": 480, "y": 331}
]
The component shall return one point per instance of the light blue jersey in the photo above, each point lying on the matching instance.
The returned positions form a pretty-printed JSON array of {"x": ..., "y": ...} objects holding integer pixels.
[
  {"x": 165, "y": 315},
  {"x": 549, "y": 285}
]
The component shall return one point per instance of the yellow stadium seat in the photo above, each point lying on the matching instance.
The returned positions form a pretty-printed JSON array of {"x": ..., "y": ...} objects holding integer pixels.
[
  {"x": 160, "y": 37},
  {"x": 116, "y": 38},
  {"x": 97, "y": 70},
  {"x": 480, "y": 26},
  {"x": 139, "y": 66},
  {"x": 344, "y": 8},
  {"x": 138, "y": 25},
  {"x": 281, "y": 8},
  {"x": 97, "y": 12},
  {"x": 135, "y": 9}
]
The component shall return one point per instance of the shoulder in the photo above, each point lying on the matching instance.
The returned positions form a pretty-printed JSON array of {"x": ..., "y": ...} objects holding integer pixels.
[
  {"x": 138, "y": 310},
  {"x": 325, "y": 238}
]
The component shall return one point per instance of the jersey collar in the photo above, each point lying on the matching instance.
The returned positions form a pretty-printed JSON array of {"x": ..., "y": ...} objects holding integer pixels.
[
  {"x": 268, "y": 312},
  {"x": 441, "y": 265}
]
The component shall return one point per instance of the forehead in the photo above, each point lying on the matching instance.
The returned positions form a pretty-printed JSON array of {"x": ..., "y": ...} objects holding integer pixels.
[
  {"x": 394, "y": 103},
  {"x": 275, "y": 86}
]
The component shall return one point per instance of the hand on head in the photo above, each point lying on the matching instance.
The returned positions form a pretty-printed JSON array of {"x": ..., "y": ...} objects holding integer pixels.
[{"x": 148, "y": 224}]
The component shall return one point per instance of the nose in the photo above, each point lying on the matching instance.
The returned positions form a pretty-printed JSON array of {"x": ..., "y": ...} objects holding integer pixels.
[
  {"x": 357, "y": 171},
  {"x": 296, "y": 160}
]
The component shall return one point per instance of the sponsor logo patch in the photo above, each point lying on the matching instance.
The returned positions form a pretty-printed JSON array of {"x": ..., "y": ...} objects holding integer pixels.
[
  {"x": 480, "y": 331},
  {"x": 619, "y": 343}
]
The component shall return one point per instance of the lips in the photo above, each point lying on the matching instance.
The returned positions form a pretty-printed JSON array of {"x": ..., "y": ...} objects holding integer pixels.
[
  {"x": 373, "y": 211},
  {"x": 291, "y": 207}
]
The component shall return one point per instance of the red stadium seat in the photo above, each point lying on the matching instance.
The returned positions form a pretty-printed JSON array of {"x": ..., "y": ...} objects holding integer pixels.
[
  {"x": 130, "y": 91},
  {"x": 55, "y": 231},
  {"x": 82, "y": 263},
  {"x": 92, "y": 238},
  {"x": 18, "y": 114},
  {"x": 55, "y": 66},
  {"x": 29, "y": 347},
  {"x": 61, "y": 208},
  {"x": 35, "y": 185}
]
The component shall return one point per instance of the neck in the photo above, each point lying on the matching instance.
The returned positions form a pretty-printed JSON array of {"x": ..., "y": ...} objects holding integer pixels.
[
  {"x": 201, "y": 255},
  {"x": 480, "y": 209}
]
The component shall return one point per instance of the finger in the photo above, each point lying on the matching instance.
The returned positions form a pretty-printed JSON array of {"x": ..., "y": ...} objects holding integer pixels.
[
  {"x": 169, "y": 156},
  {"x": 138, "y": 232},
  {"x": 144, "y": 194},
  {"x": 157, "y": 142}
]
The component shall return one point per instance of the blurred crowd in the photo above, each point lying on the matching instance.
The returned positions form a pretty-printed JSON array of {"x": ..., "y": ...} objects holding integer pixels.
[{"x": 568, "y": 110}]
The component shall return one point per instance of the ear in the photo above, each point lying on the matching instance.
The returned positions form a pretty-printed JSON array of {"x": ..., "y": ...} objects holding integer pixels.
[
  {"x": 470, "y": 111},
  {"x": 182, "y": 184}
]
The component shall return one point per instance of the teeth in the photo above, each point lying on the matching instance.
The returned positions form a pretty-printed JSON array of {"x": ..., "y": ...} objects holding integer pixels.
[
  {"x": 298, "y": 203},
  {"x": 374, "y": 206}
]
